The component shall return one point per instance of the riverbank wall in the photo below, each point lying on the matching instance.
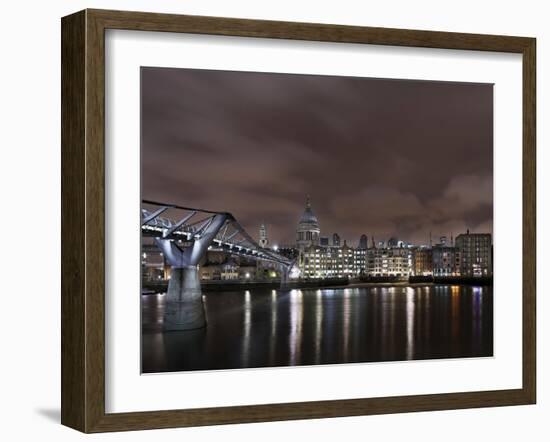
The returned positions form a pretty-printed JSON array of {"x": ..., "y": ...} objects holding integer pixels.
[{"x": 216, "y": 286}]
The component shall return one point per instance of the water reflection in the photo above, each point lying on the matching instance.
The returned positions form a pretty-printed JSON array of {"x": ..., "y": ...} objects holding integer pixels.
[
  {"x": 247, "y": 323},
  {"x": 410, "y": 322},
  {"x": 273, "y": 339},
  {"x": 296, "y": 321},
  {"x": 346, "y": 312},
  {"x": 262, "y": 328},
  {"x": 318, "y": 325},
  {"x": 477, "y": 313}
]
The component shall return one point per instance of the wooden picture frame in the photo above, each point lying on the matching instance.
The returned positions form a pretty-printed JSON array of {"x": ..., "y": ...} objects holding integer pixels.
[{"x": 83, "y": 218}]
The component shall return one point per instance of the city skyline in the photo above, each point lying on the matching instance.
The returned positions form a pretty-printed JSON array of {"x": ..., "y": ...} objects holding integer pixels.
[
  {"x": 431, "y": 238},
  {"x": 378, "y": 157}
]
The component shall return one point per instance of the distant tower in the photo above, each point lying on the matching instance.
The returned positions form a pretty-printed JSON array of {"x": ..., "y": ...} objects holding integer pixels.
[
  {"x": 307, "y": 233},
  {"x": 264, "y": 242},
  {"x": 363, "y": 242},
  {"x": 336, "y": 240}
]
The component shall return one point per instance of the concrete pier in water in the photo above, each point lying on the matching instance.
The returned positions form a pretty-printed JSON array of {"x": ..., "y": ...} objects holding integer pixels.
[{"x": 184, "y": 308}]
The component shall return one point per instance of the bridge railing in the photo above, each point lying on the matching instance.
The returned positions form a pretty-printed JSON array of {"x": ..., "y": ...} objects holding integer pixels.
[{"x": 185, "y": 224}]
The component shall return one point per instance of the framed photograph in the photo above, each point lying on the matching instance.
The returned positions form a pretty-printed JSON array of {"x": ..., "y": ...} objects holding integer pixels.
[{"x": 269, "y": 220}]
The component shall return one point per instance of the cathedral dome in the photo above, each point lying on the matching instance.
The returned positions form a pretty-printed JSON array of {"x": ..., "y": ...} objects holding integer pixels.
[
  {"x": 308, "y": 217},
  {"x": 307, "y": 233}
]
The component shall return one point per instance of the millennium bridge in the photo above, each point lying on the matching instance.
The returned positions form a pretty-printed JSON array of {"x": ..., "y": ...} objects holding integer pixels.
[{"x": 184, "y": 235}]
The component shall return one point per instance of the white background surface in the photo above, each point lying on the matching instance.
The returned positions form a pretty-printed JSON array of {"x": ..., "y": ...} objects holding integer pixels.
[
  {"x": 128, "y": 391},
  {"x": 29, "y": 174}
]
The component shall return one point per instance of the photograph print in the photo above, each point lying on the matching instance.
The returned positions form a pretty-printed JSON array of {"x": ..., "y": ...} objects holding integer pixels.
[{"x": 298, "y": 220}]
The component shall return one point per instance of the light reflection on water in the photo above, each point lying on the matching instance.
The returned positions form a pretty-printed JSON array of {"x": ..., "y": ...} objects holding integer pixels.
[
  {"x": 245, "y": 353},
  {"x": 318, "y": 339},
  {"x": 410, "y": 322},
  {"x": 296, "y": 320},
  {"x": 262, "y": 328},
  {"x": 273, "y": 335}
]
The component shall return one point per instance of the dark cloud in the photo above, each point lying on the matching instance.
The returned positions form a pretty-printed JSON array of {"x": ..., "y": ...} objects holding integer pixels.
[{"x": 382, "y": 157}]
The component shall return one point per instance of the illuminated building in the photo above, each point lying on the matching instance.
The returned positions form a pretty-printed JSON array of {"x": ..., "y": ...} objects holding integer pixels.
[
  {"x": 446, "y": 259},
  {"x": 327, "y": 262},
  {"x": 307, "y": 233},
  {"x": 360, "y": 255},
  {"x": 423, "y": 262},
  {"x": 395, "y": 261},
  {"x": 263, "y": 242},
  {"x": 475, "y": 254},
  {"x": 392, "y": 242}
]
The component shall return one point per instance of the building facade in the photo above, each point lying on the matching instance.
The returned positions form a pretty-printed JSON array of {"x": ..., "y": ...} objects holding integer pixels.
[
  {"x": 475, "y": 254},
  {"x": 360, "y": 257},
  {"x": 328, "y": 262},
  {"x": 446, "y": 260},
  {"x": 395, "y": 261},
  {"x": 423, "y": 261}
]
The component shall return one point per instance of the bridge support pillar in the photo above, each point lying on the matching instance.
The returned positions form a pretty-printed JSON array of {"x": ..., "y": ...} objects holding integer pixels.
[
  {"x": 285, "y": 277},
  {"x": 184, "y": 308}
]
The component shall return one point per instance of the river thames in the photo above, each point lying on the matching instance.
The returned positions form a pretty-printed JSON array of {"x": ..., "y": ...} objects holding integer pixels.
[{"x": 272, "y": 328}]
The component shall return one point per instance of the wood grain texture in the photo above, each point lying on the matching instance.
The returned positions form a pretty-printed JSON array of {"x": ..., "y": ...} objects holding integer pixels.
[
  {"x": 83, "y": 218},
  {"x": 529, "y": 221},
  {"x": 73, "y": 254},
  {"x": 145, "y": 21},
  {"x": 95, "y": 221}
]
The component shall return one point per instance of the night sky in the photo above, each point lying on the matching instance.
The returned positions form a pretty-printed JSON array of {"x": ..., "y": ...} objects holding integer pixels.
[{"x": 381, "y": 157}]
